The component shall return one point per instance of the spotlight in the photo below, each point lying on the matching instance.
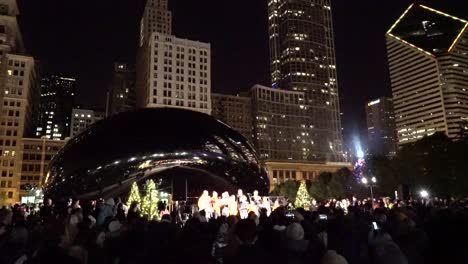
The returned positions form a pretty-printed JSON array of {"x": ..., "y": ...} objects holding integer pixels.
[
  {"x": 424, "y": 194},
  {"x": 364, "y": 180},
  {"x": 374, "y": 180}
]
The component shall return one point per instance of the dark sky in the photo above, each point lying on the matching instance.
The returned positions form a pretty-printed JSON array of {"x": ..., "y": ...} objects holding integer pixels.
[{"x": 84, "y": 37}]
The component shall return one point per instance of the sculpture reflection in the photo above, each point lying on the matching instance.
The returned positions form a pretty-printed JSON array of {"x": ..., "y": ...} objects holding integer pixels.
[{"x": 181, "y": 149}]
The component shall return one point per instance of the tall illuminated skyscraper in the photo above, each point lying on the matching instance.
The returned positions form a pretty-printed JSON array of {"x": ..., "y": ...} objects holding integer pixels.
[
  {"x": 57, "y": 100},
  {"x": 428, "y": 61},
  {"x": 381, "y": 133},
  {"x": 302, "y": 59}
]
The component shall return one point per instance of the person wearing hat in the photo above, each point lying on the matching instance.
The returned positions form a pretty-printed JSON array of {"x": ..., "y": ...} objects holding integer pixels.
[{"x": 107, "y": 210}]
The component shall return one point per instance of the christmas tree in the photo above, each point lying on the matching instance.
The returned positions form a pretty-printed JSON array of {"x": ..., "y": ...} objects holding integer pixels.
[
  {"x": 149, "y": 204},
  {"x": 134, "y": 195},
  {"x": 302, "y": 197}
]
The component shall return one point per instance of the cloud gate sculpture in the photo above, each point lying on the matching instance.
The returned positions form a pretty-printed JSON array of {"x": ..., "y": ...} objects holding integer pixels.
[{"x": 185, "y": 151}]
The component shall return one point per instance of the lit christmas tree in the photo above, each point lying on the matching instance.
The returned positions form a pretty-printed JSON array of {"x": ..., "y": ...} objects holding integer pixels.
[
  {"x": 149, "y": 204},
  {"x": 134, "y": 195},
  {"x": 302, "y": 197}
]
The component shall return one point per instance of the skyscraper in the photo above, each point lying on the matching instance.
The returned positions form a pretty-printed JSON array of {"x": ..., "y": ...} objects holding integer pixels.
[
  {"x": 57, "y": 100},
  {"x": 121, "y": 96},
  {"x": 19, "y": 93},
  {"x": 381, "y": 133},
  {"x": 280, "y": 128},
  {"x": 156, "y": 18},
  {"x": 235, "y": 111},
  {"x": 428, "y": 61},
  {"x": 174, "y": 72},
  {"x": 302, "y": 59}
]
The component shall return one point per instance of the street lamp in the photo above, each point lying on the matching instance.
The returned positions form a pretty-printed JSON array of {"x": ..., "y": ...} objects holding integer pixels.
[{"x": 371, "y": 185}]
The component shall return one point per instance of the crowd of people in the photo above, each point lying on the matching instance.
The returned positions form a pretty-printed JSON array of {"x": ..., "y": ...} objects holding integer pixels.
[{"x": 104, "y": 231}]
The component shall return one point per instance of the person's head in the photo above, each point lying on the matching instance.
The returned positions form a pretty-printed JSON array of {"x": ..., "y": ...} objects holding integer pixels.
[
  {"x": 6, "y": 216},
  {"x": 295, "y": 232},
  {"x": 134, "y": 207},
  {"x": 254, "y": 218},
  {"x": 246, "y": 231},
  {"x": 98, "y": 237},
  {"x": 215, "y": 194},
  {"x": 240, "y": 192},
  {"x": 166, "y": 218},
  {"x": 205, "y": 193},
  {"x": 255, "y": 193},
  {"x": 47, "y": 201}
]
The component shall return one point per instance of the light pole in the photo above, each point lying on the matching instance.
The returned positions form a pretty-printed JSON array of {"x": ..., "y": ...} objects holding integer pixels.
[{"x": 370, "y": 184}]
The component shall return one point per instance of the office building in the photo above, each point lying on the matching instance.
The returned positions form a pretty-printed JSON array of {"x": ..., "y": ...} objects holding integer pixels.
[
  {"x": 233, "y": 110},
  {"x": 121, "y": 96},
  {"x": 381, "y": 131},
  {"x": 171, "y": 72},
  {"x": 280, "y": 124},
  {"x": 428, "y": 62},
  {"x": 156, "y": 18},
  {"x": 56, "y": 104},
  {"x": 20, "y": 94},
  {"x": 36, "y": 155},
  {"x": 174, "y": 72},
  {"x": 83, "y": 118},
  {"x": 302, "y": 59}
]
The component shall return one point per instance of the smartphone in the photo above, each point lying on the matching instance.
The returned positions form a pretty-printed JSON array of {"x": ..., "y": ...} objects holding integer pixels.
[
  {"x": 289, "y": 215},
  {"x": 323, "y": 217},
  {"x": 375, "y": 226}
]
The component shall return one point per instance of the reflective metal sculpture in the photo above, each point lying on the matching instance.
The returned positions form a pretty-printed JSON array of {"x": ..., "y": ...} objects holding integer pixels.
[{"x": 185, "y": 151}]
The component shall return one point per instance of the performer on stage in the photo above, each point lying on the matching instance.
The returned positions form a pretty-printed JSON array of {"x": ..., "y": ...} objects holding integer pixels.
[
  {"x": 266, "y": 205},
  {"x": 243, "y": 207},
  {"x": 225, "y": 200},
  {"x": 256, "y": 198},
  {"x": 233, "y": 206},
  {"x": 216, "y": 205},
  {"x": 253, "y": 207},
  {"x": 240, "y": 193},
  {"x": 204, "y": 202},
  {"x": 275, "y": 205}
]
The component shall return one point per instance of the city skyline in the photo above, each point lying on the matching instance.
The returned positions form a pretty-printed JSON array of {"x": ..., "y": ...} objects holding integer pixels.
[{"x": 240, "y": 58}]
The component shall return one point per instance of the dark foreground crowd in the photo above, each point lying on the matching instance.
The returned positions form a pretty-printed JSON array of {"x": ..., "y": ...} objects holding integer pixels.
[{"x": 106, "y": 232}]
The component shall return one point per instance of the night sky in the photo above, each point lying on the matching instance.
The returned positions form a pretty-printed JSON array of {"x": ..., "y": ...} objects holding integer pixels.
[{"x": 84, "y": 38}]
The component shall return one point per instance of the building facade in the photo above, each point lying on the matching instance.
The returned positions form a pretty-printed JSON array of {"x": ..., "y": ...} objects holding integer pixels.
[
  {"x": 56, "y": 104},
  {"x": 83, "y": 118},
  {"x": 156, "y": 18},
  {"x": 174, "y": 72},
  {"x": 233, "y": 110},
  {"x": 280, "y": 124},
  {"x": 302, "y": 59},
  {"x": 19, "y": 95},
  {"x": 381, "y": 131},
  {"x": 121, "y": 96},
  {"x": 428, "y": 62},
  {"x": 36, "y": 155},
  {"x": 279, "y": 172}
]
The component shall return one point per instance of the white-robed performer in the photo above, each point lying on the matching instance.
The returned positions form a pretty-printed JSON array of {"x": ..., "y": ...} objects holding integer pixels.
[
  {"x": 243, "y": 207},
  {"x": 225, "y": 204},
  {"x": 256, "y": 198},
  {"x": 265, "y": 204},
  {"x": 204, "y": 203}
]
